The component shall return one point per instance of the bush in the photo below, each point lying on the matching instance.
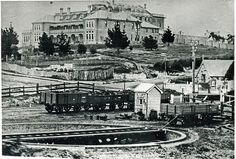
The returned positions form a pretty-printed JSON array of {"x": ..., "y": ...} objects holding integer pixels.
[
  {"x": 122, "y": 69},
  {"x": 82, "y": 49},
  {"x": 93, "y": 50}
]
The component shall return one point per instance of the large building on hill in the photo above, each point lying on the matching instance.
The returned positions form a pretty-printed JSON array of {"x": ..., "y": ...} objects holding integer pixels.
[{"x": 90, "y": 27}]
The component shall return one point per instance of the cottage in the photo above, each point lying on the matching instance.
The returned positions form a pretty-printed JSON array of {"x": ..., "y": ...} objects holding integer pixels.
[
  {"x": 147, "y": 99},
  {"x": 211, "y": 75}
]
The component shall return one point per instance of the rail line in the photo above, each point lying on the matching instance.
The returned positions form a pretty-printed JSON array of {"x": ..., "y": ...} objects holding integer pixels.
[{"x": 76, "y": 133}]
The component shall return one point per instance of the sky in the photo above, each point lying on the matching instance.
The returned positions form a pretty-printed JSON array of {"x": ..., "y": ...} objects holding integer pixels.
[{"x": 191, "y": 17}]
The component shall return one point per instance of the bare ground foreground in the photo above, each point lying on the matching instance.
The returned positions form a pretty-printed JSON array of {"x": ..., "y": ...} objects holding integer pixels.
[{"x": 25, "y": 115}]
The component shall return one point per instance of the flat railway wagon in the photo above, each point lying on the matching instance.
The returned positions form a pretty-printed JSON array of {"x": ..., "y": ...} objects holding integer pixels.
[
  {"x": 190, "y": 113},
  {"x": 65, "y": 101}
]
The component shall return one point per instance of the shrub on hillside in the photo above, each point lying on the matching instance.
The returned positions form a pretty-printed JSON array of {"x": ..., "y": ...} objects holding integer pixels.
[
  {"x": 149, "y": 43},
  {"x": 93, "y": 50},
  {"x": 131, "y": 48},
  {"x": 122, "y": 69},
  {"x": 82, "y": 49}
]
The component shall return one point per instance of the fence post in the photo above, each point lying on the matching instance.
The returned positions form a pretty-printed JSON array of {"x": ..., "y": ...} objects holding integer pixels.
[
  {"x": 37, "y": 88},
  {"x": 23, "y": 90},
  {"x": 93, "y": 87},
  {"x": 78, "y": 85},
  {"x": 9, "y": 91},
  {"x": 64, "y": 86}
]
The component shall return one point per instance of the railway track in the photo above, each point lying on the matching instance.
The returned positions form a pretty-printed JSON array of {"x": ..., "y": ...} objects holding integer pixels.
[{"x": 62, "y": 134}]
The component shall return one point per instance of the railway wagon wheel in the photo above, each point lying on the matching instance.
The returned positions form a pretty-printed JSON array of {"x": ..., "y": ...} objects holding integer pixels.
[
  {"x": 76, "y": 108},
  {"x": 86, "y": 107},
  {"x": 121, "y": 105},
  {"x": 67, "y": 108},
  {"x": 49, "y": 108},
  {"x": 112, "y": 106},
  {"x": 58, "y": 109},
  {"x": 103, "y": 107},
  {"x": 130, "y": 106},
  {"x": 96, "y": 107}
]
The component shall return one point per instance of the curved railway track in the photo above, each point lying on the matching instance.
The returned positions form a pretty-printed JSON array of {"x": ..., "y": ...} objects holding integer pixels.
[{"x": 77, "y": 133}]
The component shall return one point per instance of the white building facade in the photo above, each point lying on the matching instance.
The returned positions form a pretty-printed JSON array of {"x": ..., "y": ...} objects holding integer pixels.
[
  {"x": 91, "y": 26},
  {"x": 147, "y": 99}
]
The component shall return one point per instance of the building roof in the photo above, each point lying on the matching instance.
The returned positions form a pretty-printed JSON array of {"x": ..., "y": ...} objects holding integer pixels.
[
  {"x": 101, "y": 14},
  {"x": 217, "y": 67},
  {"x": 47, "y": 18},
  {"x": 146, "y": 87},
  {"x": 148, "y": 25},
  {"x": 158, "y": 15}
]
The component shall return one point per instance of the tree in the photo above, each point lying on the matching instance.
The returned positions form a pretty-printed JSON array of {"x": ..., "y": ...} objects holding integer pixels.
[
  {"x": 82, "y": 49},
  {"x": 46, "y": 45},
  {"x": 149, "y": 43},
  {"x": 216, "y": 37},
  {"x": 168, "y": 37},
  {"x": 9, "y": 38},
  {"x": 63, "y": 45},
  {"x": 230, "y": 73},
  {"x": 230, "y": 39},
  {"x": 117, "y": 39}
]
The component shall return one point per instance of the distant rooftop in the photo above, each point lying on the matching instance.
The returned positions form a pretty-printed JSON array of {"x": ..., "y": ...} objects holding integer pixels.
[
  {"x": 217, "y": 68},
  {"x": 146, "y": 87},
  {"x": 101, "y": 14}
]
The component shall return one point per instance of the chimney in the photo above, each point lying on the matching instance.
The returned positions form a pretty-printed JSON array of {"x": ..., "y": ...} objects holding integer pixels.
[
  {"x": 145, "y": 6},
  {"x": 61, "y": 11},
  {"x": 68, "y": 10}
]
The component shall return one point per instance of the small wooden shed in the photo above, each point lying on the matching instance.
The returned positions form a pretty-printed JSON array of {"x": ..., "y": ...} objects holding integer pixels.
[{"x": 147, "y": 99}]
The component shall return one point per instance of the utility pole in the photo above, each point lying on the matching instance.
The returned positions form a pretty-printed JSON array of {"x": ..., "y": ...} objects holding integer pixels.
[
  {"x": 124, "y": 80},
  {"x": 194, "y": 48}
]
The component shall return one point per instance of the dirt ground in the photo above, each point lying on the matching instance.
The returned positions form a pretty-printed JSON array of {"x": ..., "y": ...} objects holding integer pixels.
[{"x": 214, "y": 142}]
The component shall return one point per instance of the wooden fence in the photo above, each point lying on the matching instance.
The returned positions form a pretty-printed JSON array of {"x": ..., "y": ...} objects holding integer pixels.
[
  {"x": 29, "y": 90},
  {"x": 228, "y": 106}
]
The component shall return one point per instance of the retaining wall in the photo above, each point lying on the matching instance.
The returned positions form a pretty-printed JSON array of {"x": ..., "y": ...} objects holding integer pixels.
[{"x": 101, "y": 73}]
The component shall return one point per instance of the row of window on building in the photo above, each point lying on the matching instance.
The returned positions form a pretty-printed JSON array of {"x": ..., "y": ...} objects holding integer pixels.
[
  {"x": 153, "y": 30},
  {"x": 67, "y": 27},
  {"x": 90, "y": 24},
  {"x": 36, "y": 37},
  {"x": 26, "y": 38},
  {"x": 89, "y": 35},
  {"x": 37, "y": 26}
]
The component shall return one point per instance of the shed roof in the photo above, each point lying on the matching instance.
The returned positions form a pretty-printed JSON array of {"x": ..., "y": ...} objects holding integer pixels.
[
  {"x": 146, "y": 87},
  {"x": 217, "y": 68}
]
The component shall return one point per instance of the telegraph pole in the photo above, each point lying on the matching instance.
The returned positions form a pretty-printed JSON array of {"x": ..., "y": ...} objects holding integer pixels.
[
  {"x": 124, "y": 81},
  {"x": 194, "y": 48}
]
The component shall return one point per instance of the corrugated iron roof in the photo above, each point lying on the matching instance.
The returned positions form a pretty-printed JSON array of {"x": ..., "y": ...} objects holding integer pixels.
[
  {"x": 217, "y": 67},
  {"x": 145, "y": 87}
]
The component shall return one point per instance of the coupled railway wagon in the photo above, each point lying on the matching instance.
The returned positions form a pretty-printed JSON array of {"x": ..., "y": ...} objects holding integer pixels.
[
  {"x": 65, "y": 101},
  {"x": 190, "y": 113}
]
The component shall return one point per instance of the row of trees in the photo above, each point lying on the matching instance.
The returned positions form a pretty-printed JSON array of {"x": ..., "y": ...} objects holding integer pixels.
[
  {"x": 216, "y": 37},
  {"x": 119, "y": 40},
  {"x": 116, "y": 39},
  {"x": 62, "y": 46},
  {"x": 9, "y": 39}
]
